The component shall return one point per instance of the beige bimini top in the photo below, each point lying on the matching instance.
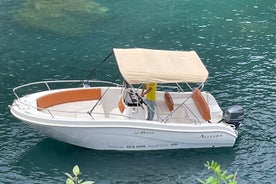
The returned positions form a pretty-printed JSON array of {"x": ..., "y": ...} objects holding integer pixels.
[{"x": 160, "y": 66}]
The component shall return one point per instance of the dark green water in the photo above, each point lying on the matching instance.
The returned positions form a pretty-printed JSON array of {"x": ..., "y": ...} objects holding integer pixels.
[{"x": 235, "y": 39}]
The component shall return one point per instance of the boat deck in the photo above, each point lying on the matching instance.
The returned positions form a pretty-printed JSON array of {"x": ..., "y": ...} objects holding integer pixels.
[
  {"x": 81, "y": 109},
  {"x": 181, "y": 108}
]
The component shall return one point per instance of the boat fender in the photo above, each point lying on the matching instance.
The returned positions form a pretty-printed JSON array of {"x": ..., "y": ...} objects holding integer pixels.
[
  {"x": 201, "y": 105},
  {"x": 169, "y": 101},
  {"x": 121, "y": 105}
]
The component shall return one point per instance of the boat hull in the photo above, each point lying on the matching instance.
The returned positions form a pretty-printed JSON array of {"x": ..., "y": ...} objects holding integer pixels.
[
  {"x": 131, "y": 135},
  {"x": 92, "y": 118}
]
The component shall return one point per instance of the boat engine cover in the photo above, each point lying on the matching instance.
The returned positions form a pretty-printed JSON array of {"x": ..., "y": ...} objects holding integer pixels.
[{"x": 234, "y": 115}]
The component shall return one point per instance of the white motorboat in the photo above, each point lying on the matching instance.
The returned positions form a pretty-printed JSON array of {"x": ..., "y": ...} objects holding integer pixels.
[{"x": 108, "y": 116}]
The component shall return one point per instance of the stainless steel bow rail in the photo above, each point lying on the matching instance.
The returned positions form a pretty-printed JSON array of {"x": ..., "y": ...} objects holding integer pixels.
[{"x": 50, "y": 85}]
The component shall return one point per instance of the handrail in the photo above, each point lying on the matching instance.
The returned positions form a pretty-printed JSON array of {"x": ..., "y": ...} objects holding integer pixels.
[
  {"x": 52, "y": 111},
  {"x": 178, "y": 88},
  {"x": 47, "y": 84}
]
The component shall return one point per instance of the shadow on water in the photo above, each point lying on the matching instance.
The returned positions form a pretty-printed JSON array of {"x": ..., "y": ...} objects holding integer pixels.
[{"x": 121, "y": 166}]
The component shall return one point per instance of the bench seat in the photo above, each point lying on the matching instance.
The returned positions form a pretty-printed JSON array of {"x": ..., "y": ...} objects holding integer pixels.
[{"x": 73, "y": 95}]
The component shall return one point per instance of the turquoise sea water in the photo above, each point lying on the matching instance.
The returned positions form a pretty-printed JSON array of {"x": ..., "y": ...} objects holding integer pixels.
[{"x": 235, "y": 39}]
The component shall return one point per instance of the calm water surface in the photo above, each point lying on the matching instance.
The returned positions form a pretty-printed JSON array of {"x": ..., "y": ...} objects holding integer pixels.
[{"x": 236, "y": 41}]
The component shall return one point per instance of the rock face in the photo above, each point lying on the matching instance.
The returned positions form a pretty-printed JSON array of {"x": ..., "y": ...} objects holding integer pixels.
[{"x": 67, "y": 17}]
